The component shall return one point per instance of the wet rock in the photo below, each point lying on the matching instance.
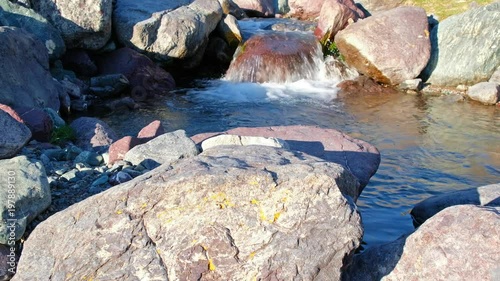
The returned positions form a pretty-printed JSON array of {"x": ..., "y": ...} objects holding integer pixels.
[
  {"x": 256, "y": 8},
  {"x": 146, "y": 78},
  {"x": 359, "y": 157},
  {"x": 14, "y": 137},
  {"x": 28, "y": 81},
  {"x": 378, "y": 54},
  {"x": 167, "y": 29},
  {"x": 335, "y": 15},
  {"x": 276, "y": 57},
  {"x": 110, "y": 85},
  {"x": 218, "y": 51},
  {"x": 152, "y": 130},
  {"x": 287, "y": 219},
  {"x": 165, "y": 148},
  {"x": 485, "y": 92},
  {"x": 79, "y": 61},
  {"x": 377, "y": 6},
  {"x": 338, "y": 70},
  {"x": 86, "y": 27},
  {"x": 488, "y": 195},
  {"x": 19, "y": 16},
  {"x": 465, "y": 53},
  {"x": 25, "y": 184},
  {"x": 93, "y": 134},
  {"x": 38, "y": 121},
  {"x": 242, "y": 141},
  {"x": 229, "y": 29},
  {"x": 412, "y": 84},
  {"x": 459, "y": 243},
  {"x": 119, "y": 148}
]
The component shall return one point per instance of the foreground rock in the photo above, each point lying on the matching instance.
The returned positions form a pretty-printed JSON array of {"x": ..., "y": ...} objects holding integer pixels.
[
  {"x": 485, "y": 92},
  {"x": 287, "y": 218},
  {"x": 93, "y": 134},
  {"x": 24, "y": 195},
  {"x": 167, "y": 29},
  {"x": 451, "y": 61},
  {"x": 359, "y": 157},
  {"x": 16, "y": 15},
  {"x": 27, "y": 81},
  {"x": 488, "y": 195},
  {"x": 458, "y": 243},
  {"x": 377, "y": 6},
  {"x": 377, "y": 54},
  {"x": 13, "y": 139},
  {"x": 86, "y": 26},
  {"x": 276, "y": 57}
]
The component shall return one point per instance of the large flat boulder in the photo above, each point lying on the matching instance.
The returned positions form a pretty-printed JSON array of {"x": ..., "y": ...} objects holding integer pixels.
[
  {"x": 14, "y": 136},
  {"x": 458, "y": 243},
  {"x": 465, "y": 54},
  {"x": 19, "y": 16},
  {"x": 390, "y": 47},
  {"x": 359, "y": 157},
  {"x": 24, "y": 65},
  {"x": 231, "y": 213},
  {"x": 166, "y": 30},
  {"x": 488, "y": 195},
  {"x": 83, "y": 24}
]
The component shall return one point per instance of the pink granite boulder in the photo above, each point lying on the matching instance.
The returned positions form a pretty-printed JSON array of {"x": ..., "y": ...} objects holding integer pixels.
[{"x": 152, "y": 130}]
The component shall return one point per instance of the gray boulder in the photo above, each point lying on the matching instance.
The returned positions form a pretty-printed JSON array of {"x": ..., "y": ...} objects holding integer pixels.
[
  {"x": 93, "y": 134},
  {"x": 167, "y": 29},
  {"x": 390, "y": 47},
  {"x": 231, "y": 213},
  {"x": 25, "y": 193},
  {"x": 485, "y": 92},
  {"x": 465, "y": 54},
  {"x": 488, "y": 195},
  {"x": 496, "y": 76},
  {"x": 19, "y": 16},
  {"x": 14, "y": 136},
  {"x": 459, "y": 243},
  {"x": 85, "y": 25},
  {"x": 165, "y": 148},
  {"x": 24, "y": 65},
  {"x": 242, "y": 141}
]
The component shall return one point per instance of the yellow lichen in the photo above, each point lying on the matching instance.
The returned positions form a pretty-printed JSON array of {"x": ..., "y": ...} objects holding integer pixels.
[
  {"x": 119, "y": 212},
  {"x": 276, "y": 216},
  {"x": 211, "y": 265}
]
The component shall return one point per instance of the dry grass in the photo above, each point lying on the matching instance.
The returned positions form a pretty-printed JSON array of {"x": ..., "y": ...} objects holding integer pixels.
[{"x": 445, "y": 8}]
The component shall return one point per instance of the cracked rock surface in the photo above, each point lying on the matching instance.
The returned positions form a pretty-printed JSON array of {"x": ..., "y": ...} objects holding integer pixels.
[{"x": 230, "y": 213}]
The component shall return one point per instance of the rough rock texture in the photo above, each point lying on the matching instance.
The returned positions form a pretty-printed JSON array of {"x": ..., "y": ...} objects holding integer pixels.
[
  {"x": 152, "y": 130},
  {"x": 14, "y": 136},
  {"x": 488, "y": 195},
  {"x": 496, "y": 76},
  {"x": 256, "y": 8},
  {"x": 166, "y": 29},
  {"x": 8, "y": 262},
  {"x": 335, "y": 15},
  {"x": 166, "y": 148},
  {"x": 11, "y": 112},
  {"x": 230, "y": 8},
  {"x": 485, "y": 92},
  {"x": 465, "y": 54},
  {"x": 391, "y": 47},
  {"x": 83, "y": 24},
  {"x": 229, "y": 30},
  {"x": 24, "y": 65},
  {"x": 305, "y": 9},
  {"x": 17, "y": 15},
  {"x": 145, "y": 77},
  {"x": 24, "y": 184},
  {"x": 276, "y": 57},
  {"x": 232, "y": 213},
  {"x": 243, "y": 141},
  {"x": 359, "y": 157},
  {"x": 458, "y": 243},
  {"x": 119, "y": 148},
  {"x": 375, "y": 6},
  {"x": 38, "y": 121},
  {"x": 93, "y": 134}
]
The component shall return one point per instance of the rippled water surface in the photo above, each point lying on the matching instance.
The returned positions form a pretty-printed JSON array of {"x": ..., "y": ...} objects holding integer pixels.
[{"x": 429, "y": 145}]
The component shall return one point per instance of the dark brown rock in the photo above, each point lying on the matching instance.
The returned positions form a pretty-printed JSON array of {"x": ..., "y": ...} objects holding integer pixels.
[
  {"x": 38, "y": 121},
  {"x": 152, "y": 130},
  {"x": 93, "y": 134},
  {"x": 78, "y": 61},
  {"x": 146, "y": 78}
]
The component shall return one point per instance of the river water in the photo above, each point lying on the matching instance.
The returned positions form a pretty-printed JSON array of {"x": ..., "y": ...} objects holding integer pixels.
[{"x": 428, "y": 144}]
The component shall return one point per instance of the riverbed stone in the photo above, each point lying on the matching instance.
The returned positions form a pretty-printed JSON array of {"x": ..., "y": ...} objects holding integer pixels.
[
  {"x": 14, "y": 137},
  {"x": 152, "y": 130},
  {"x": 24, "y": 65},
  {"x": 93, "y": 134},
  {"x": 12, "y": 14},
  {"x": 485, "y": 92},
  {"x": 488, "y": 195},
  {"x": 232, "y": 213},
  {"x": 25, "y": 185},
  {"x": 147, "y": 80},
  {"x": 335, "y": 15},
  {"x": 242, "y": 141},
  {"x": 276, "y": 57},
  {"x": 359, "y": 157},
  {"x": 459, "y": 243},
  {"x": 108, "y": 86},
  {"x": 85, "y": 25},
  {"x": 373, "y": 45},
  {"x": 119, "y": 148},
  {"x": 465, "y": 54},
  {"x": 166, "y": 148},
  {"x": 166, "y": 30}
]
